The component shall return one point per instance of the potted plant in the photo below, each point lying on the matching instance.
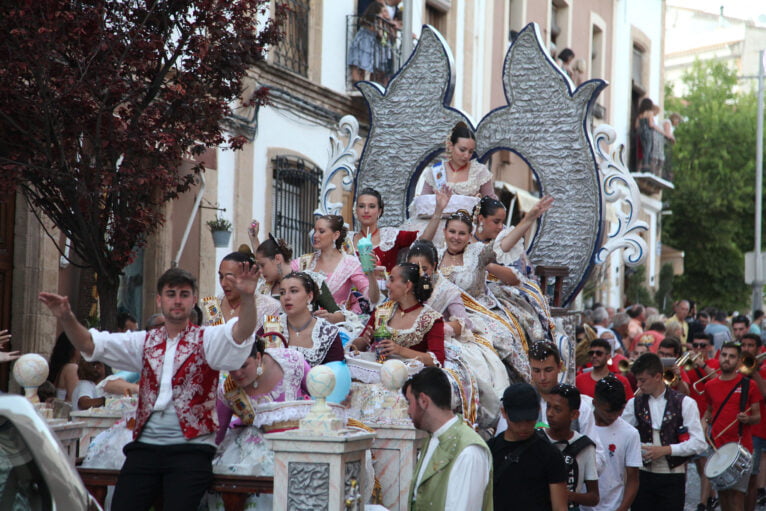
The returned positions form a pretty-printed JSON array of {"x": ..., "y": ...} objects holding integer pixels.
[{"x": 220, "y": 228}]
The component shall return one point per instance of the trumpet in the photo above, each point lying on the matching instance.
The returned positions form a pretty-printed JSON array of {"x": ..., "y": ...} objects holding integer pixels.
[
  {"x": 685, "y": 361},
  {"x": 750, "y": 363},
  {"x": 624, "y": 365}
]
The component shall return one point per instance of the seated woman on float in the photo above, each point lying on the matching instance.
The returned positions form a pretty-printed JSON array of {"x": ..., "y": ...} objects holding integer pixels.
[
  {"x": 273, "y": 257},
  {"x": 518, "y": 290},
  {"x": 447, "y": 299},
  {"x": 387, "y": 242},
  {"x": 417, "y": 330},
  {"x": 464, "y": 177},
  {"x": 317, "y": 339}
]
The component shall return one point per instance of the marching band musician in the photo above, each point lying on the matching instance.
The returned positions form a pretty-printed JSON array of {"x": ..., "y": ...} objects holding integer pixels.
[
  {"x": 703, "y": 368},
  {"x": 669, "y": 426},
  {"x": 733, "y": 406},
  {"x": 751, "y": 345}
]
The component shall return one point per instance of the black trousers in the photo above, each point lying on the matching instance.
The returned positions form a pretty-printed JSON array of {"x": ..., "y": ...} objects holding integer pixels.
[
  {"x": 660, "y": 492},
  {"x": 182, "y": 473}
]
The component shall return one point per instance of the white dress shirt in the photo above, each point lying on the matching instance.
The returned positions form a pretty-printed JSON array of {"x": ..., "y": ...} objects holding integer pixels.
[
  {"x": 468, "y": 477},
  {"x": 690, "y": 413},
  {"x": 126, "y": 351}
]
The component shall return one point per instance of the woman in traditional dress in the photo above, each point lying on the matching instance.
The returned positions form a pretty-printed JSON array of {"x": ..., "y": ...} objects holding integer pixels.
[
  {"x": 520, "y": 292},
  {"x": 464, "y": 177},
  {"x": 387, "y": 242},
  {"x": 466, "y": 264},
  {"x": 220, "y": 309},
  {"x": 269, "y": 375},
  {"x": 447, "y": 299},
  {"x": 417, "y": 330},
  {"x": 317, "y": 339},
  {"x": 340, "y": 271}
]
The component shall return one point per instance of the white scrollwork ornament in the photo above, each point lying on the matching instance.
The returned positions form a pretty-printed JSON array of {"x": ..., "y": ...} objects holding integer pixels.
[
  {"x": 619, "y": 187},
  {"x": 342, "y": 160}
]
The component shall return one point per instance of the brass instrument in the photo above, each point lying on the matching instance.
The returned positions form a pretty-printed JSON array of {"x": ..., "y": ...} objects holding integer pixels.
[
  {"x": 624, "y": 365},
  {"x": 703, "y": 380},
  {"x": 685, "y": 361},
  {"x": 750, "y": 363}
]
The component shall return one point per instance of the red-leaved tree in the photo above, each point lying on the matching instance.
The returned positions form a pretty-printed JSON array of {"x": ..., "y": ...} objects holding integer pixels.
[{"x": 102, "y": 100}]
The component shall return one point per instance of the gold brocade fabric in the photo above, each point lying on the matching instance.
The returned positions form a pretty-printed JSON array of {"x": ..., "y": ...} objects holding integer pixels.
[{"x": 414, "y": 335}]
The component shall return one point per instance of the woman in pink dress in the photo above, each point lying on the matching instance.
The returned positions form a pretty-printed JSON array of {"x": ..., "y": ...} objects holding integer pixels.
[{"x": 341, "y": 272}]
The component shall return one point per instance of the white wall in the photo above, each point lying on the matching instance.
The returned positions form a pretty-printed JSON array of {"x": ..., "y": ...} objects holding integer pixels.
[
  {"x": 646, "y": 15},
  {"x": 334, "y": 70}
]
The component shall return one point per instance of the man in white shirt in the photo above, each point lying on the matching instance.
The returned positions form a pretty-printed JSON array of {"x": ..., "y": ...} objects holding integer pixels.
[
  {"x": 454, "y": 468},
  {"x": 174, "y": 442},
  {"x": 669, "y": 426}
]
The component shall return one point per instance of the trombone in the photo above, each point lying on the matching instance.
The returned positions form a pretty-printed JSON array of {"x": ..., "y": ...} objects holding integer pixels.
[{"x": 747, "y": 367}]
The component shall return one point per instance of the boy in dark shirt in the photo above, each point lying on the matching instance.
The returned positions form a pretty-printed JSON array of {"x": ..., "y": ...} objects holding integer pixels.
[{"x": 529, "y": 472}]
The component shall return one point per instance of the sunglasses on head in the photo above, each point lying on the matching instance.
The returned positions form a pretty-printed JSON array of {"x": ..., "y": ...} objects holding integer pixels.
[{"x": 598, "y": 353}]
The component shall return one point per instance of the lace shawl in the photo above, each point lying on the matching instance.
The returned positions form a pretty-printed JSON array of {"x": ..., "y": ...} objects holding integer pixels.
[
  {"x": 322, "y": 335},
  {"x": 478, "y": 174},
  {"x": 414, "y": 335},
  {"x": 387, "y": 240},
  {"x": 471, "y": 276}
]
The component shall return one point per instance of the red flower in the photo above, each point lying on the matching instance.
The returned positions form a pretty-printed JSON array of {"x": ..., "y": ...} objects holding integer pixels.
[{"x": 612, "y": 447}]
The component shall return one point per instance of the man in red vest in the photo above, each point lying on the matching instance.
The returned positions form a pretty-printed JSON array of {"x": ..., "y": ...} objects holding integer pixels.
[{"x": 173, "y": 437}]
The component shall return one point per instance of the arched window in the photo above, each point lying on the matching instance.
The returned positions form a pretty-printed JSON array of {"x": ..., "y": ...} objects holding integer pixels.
[{"x": 296, "y": 188}]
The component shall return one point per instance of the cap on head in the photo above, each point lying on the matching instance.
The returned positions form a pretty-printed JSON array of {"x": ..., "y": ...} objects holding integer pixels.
[{"x": 521, "y": 402}]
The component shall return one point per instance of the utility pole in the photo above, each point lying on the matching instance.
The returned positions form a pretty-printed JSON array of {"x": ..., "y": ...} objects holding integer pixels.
[{"x": 758, "y": 281}]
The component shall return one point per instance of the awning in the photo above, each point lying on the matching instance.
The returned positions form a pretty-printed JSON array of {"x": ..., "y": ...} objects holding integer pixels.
[{"x": 525, "y": 199}]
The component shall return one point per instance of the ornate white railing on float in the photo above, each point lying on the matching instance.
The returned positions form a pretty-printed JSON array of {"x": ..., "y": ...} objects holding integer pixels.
[
  {"x": 342, "y": 161},
  {"x": 619, "y": 187}
]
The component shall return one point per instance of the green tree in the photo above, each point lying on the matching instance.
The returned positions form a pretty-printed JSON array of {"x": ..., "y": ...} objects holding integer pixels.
[
  {"x": 712, "y": 204},
  {"x": 635, "y": 286}
]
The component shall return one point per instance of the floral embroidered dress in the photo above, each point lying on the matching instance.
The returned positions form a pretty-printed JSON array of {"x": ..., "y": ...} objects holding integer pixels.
[
  {"x": 242, "y": 449},
  {"x": 327, "y": 345},
  {"x": 525, "y": 299},
  {"x": 346, "y": 276},
  {"x": 489, "y": 319},
  {"x": 392, "y": 240},
  {"x": 476, "y": 351},
  {"x": 465, "y": 196}
]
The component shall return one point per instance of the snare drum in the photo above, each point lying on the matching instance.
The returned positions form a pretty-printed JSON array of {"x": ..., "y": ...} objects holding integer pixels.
[{"x": 729, "y": 466}]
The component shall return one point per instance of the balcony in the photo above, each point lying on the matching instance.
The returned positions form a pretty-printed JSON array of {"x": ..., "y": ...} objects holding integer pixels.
[{"x": 373, "y": 50}]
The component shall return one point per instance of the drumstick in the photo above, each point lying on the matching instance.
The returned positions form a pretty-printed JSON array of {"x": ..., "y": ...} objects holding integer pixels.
[{"x": 724, "y": 430}]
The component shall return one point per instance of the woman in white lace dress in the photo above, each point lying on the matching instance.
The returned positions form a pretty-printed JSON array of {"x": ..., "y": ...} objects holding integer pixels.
[
  {"x": 519, "y": 292},
  {"x": 466, "y": 265},
  {"x": 464, "y": 177}
]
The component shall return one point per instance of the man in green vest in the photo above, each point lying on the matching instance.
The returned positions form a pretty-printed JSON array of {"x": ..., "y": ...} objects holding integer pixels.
[{"x": 454, "y": 470}]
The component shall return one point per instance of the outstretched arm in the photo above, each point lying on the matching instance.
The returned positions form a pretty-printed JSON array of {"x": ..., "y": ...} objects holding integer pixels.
[
  {"x": 245, "y": 283},
  {"x": 522, "y": 227},
  {"x": 77, "y": 333},
  {"x": 442, "y": 199}
]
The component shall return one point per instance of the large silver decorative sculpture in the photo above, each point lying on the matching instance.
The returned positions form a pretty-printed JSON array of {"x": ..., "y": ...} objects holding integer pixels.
[{"x": 545, "y": 121}]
